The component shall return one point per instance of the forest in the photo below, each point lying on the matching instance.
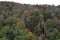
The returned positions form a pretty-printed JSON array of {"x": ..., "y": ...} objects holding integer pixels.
[{"x": 29, "y": 22}]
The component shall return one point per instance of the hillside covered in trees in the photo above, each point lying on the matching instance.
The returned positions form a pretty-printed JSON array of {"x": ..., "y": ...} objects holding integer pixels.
[{"x": 29, "y": 22}]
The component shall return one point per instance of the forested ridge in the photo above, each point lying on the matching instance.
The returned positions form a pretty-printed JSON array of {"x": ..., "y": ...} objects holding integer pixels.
[{"x": 29, "y": 22}]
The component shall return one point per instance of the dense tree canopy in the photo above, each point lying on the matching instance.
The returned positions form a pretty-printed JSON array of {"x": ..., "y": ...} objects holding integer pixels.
[{"x": 29, "y": 22}]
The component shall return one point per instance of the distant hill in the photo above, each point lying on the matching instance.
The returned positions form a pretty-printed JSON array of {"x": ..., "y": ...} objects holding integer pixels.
[{"x": 40, "y": 21}]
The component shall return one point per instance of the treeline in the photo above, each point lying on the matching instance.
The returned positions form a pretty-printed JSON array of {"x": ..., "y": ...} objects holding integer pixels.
[{"x": 29, "y": 22}]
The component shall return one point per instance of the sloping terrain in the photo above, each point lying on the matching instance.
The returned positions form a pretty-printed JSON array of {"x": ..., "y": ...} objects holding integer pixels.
[{"x": 29, "y": 22}]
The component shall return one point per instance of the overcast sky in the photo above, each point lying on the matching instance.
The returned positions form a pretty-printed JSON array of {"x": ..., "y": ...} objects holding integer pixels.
[{"x": 50, "y": 2}]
